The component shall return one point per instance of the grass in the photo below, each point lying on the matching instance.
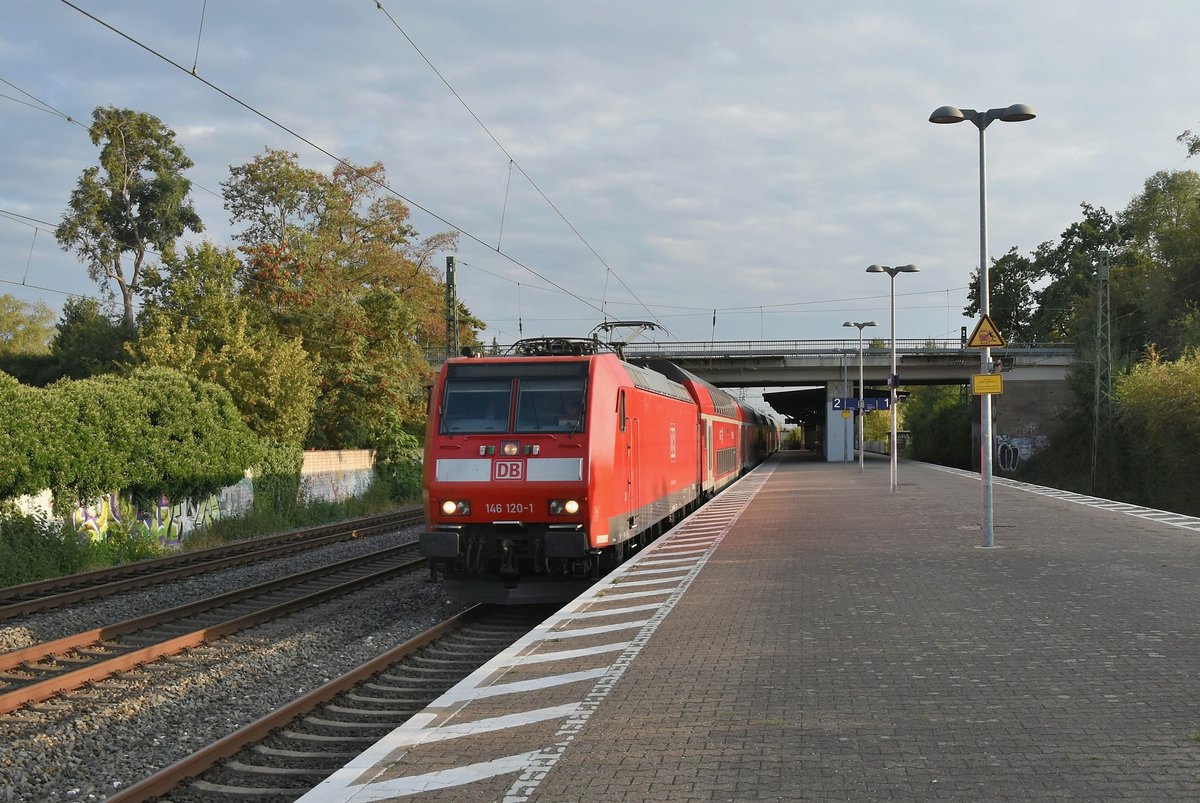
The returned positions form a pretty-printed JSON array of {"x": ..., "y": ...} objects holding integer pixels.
[{"x": 33, "y": 548}]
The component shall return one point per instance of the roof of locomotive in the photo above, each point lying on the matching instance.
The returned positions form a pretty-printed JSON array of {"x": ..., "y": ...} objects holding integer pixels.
[{"x": 644, "y": 377}]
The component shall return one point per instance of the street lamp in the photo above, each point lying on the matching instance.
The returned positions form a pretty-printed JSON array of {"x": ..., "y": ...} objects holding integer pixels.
[
  {"x": 893, "y": 380},
  {"x": 861, "y": 391},
  {"x": 1016, "y": 113}
]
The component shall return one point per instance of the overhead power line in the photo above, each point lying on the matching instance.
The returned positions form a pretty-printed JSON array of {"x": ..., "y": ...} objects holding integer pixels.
[{"x": 512, "y": 162}]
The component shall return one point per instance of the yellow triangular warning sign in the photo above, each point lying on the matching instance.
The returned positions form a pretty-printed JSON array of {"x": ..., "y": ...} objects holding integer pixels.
[{"x": 986, "y": 335}]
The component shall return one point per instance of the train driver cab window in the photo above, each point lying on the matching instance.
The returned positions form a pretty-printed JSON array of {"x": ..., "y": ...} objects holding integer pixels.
[
  {"x": 474, "y": 406},
  {"x": 550, "y": 404}
]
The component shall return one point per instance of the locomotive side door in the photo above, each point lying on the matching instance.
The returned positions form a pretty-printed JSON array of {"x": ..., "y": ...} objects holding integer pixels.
[
  {"x": 708, "y": 453},
  {"x": 628, "y": 426},
  {"x": 635, "y": 468}
]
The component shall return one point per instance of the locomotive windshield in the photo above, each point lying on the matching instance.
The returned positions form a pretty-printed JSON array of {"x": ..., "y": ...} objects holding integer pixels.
[
  {"x": 479, "y": 397},
  {"x": 476, "y": 405},
  {"x": 550, "y": 405}
]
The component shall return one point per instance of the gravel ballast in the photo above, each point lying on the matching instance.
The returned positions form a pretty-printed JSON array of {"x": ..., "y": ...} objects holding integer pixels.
[{"x": 92, "y": 745}]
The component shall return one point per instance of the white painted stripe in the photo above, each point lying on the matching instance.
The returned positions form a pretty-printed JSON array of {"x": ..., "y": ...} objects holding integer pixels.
[
  {"x": 653, "y": 606},
  {"x": 654, "y": 581},
  {"x": 577, "y": 632},
  {"x": 648, "y": 565},
  {"x": 613, "y": 594},
  {"x": 1167, "y": 517},
  {"x": 428, "y": 782},
  {"x": 675, "y": 567},
  {"x": 405, "y": 736},
  {"x": 668, "y": 554},
  {"x": 682, "y": 540},
  {"x": 518, "y": 687},
  {"x": 567, "y": 655}
]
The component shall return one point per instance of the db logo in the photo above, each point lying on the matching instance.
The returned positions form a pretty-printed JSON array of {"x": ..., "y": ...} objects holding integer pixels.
[{"x": 508, "y": 470}]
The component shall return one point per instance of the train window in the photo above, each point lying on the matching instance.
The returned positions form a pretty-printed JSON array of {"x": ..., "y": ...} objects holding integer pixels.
[
  {"x": 550, "y": 404},
  {"x": 476, "y": 405}
]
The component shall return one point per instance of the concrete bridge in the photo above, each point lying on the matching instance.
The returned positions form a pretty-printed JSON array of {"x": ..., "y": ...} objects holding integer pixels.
[{"x": 1034, "y": 376}]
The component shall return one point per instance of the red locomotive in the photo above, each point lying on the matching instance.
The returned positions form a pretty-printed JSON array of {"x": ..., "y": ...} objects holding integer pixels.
[{"x": 545, "y": 469}]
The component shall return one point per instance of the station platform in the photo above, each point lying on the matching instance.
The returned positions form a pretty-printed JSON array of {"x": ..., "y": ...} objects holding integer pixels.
[{"x": 808, "y": 635}]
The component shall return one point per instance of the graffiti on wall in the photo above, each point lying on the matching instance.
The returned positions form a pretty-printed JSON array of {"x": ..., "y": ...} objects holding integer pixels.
[
  {"x": 171, "y": 522},
  {"x": 1012, "y": 450},
  {"x": 166, "y": 520}
]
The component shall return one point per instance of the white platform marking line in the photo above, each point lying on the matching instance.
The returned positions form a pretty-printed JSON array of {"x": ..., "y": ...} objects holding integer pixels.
[
  {"x": 596, "y": 630},
  {"x": 664, "y": 566},
  {"x": 614, "y": 594},
  {"x": 653, "y": 581},
  {"x": 1167, "y": 517},
  {"x": 567, "y": 655},
  {"x": 652, "y": 606},
  {"x": 404, "y": 736},
  {"x": 521, "y": 686},
  {"x": 669, "y": 555},
  {"x": 428, "y": 782}
]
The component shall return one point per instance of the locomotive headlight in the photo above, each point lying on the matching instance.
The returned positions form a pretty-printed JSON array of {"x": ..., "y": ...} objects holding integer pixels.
[
  {"x": 456, "y": 507},
  {"x": 510, "y": 448},
  {"x": 563, "y": 507}
]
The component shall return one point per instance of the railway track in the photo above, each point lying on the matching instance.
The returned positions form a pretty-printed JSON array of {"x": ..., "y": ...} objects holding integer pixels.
[
  {"x": 286, "y": 753},
  {"x": 38, "y": 672},
  {"x": 74, "y": 589}
]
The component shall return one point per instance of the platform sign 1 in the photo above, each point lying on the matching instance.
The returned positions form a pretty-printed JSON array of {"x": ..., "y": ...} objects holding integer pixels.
[{"x": 987, "y": 384}]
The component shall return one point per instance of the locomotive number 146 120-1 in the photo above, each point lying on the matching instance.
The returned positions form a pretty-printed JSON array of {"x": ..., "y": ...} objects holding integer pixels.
[{"x": 509, "y": 507}]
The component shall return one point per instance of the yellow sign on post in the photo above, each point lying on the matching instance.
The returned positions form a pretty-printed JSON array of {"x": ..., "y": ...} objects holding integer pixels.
[
  {"x": 986, "y": 335},
  {"x": 987, "y": 384}
]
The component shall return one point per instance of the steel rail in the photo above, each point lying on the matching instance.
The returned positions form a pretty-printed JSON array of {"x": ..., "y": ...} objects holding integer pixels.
[
  {"x": 171, "y": 777},
  {"x": 72, "y": 679},
  {"x": 71, "y": 589}
]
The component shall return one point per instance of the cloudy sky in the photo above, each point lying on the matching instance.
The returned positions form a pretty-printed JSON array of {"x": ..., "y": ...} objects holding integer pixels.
[{"x": 648, "y": 160}]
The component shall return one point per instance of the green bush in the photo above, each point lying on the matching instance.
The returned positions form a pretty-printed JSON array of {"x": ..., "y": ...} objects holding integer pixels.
[
  {"x": 398, "y": 462},
  {"x": 32, "y": 548},
  {"x": 277, "y": 481},
  {"x": 1158, "y": 416}
]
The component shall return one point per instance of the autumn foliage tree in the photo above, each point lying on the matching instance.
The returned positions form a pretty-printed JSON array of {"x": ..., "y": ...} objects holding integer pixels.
[{"x": 334, "y": 259}]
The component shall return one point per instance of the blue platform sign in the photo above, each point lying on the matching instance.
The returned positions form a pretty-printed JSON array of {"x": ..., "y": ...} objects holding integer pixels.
[{"x": 869, "y": 404}]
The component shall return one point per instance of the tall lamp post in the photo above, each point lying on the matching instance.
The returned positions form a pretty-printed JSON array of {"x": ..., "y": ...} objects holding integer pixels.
[
  {"x": 1016, "y": 113},
  {"x": 893, "y": 380},
  {"x": 861, "y": 392}
]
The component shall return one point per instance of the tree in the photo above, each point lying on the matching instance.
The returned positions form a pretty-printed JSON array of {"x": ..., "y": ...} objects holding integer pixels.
[
  {"x": 134, "y": 203},
  {"x": 939, "y": 422},
  {"x": 1163, "y": 226},
  {"x": 335, "y": 260},
  {"x": 89, "y": 342},
  {"x": 24, "y": 328},
  {"x": 1068, "y": 267},
  {"x": 194, "y": 319},
  {"x": 1009, "y": 293}
]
